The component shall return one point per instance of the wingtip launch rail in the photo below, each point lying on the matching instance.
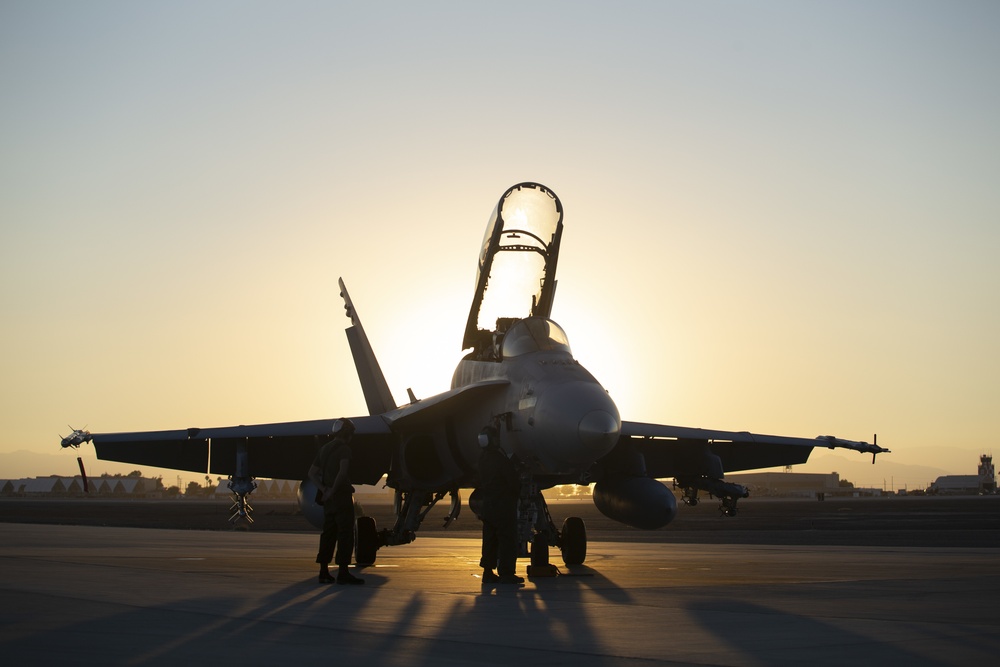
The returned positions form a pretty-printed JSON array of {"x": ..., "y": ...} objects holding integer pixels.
[{"x": 832, "y": 442}]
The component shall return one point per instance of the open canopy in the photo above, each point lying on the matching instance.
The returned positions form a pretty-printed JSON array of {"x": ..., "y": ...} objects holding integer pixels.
[{"x": 517, "y": 263}]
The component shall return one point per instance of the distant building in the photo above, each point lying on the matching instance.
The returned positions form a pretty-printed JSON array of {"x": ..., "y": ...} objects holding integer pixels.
[
  {"x": 987, "y": 475},
  {"x": 266, "y": 489},
  {"x": 791, "y": 484},
  {"x": 955, "y": 485},
  {"x": 982, "y": 483},
  {"x": 37, "y": 486},
  {"x": 99, "y": 486},
  {"x": 56, "y": 486}
]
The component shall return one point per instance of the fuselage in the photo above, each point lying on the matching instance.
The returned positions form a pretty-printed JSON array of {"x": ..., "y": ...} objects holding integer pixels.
[{"x": 554, "y": 415}]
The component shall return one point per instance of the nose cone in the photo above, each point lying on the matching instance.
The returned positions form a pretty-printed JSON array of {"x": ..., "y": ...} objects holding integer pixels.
[
  {"x": 574, "y": 425},
  {"x": 599, "y": 431}
]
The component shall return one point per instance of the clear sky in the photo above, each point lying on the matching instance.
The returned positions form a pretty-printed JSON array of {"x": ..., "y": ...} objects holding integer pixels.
[{"x": 782, "y": 217}]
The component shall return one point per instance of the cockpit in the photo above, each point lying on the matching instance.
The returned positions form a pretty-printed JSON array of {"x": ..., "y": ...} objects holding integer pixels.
[
  {"x": 515, "y": 280},
  {"x": 534, "y": 334}
]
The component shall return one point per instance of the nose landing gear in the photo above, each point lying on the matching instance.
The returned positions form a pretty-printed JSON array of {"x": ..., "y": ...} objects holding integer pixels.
[{"x": 536, "y": 527}]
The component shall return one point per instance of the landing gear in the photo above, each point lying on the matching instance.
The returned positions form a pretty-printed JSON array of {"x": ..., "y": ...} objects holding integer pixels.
[
  {"x": 366, "y": 540},
  {"x": 535, "y": 526},
  {"x": 411, "y": 507},
  {"x": 573, "y": 541}
]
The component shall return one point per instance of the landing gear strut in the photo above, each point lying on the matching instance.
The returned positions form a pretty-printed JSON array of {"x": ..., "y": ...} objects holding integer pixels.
[
  {"x": 410, "y": 507},
  {"x": 536, "y": 527}
]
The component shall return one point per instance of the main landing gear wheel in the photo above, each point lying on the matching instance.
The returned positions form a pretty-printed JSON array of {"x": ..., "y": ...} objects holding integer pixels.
[
  {"x": 574, "y": 541},
  {"x": 365, "y": 540}
]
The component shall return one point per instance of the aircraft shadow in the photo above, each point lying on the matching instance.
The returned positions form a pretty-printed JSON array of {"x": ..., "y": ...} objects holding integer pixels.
[
  {"x": 306, "y": 621},
  {"x": 762, "y": 634}
]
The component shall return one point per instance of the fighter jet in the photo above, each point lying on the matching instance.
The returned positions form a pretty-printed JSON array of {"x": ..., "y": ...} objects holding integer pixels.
[{"x": 519, "y": 376}]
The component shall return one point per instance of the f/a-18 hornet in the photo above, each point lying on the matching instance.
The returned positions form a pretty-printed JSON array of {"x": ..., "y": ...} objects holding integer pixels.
[{"x": 520, "y": 376}]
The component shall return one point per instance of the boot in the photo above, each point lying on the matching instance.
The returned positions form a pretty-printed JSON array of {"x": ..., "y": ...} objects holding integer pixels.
[{"x": 344, "y": 576}]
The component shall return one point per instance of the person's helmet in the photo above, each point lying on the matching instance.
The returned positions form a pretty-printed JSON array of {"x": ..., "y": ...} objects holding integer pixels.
[
  {"x": 489, "y": 436},
  {"x": 343, "y": 427}
]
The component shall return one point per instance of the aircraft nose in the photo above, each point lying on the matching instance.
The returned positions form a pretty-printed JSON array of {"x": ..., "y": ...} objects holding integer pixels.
[
  {"x": 574, "y": 424},
  {"x": 599, "y": 431}
]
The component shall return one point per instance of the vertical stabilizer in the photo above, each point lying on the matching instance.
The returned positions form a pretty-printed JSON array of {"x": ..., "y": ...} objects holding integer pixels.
[{"x": 373, "y": 384}]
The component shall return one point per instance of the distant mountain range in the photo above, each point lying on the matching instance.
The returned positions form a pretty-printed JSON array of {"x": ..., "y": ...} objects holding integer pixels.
[{"x": 885, "y": 474}]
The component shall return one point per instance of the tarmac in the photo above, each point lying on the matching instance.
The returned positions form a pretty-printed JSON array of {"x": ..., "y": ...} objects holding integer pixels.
[{"x": 115, "y": 595}]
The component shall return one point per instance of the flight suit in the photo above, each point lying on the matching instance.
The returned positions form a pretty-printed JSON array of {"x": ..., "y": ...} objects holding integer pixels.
[
  {"x": 338, "y": 509},
  {"x": 499, "y": 486}
]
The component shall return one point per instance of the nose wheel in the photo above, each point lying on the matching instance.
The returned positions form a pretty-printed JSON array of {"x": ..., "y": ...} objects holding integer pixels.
[
  {"x": 535, "y": 521},
  {"x": 573, "y": 541}
]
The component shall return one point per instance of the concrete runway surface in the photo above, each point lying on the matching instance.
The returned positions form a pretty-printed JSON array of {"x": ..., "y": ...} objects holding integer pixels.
[
  {"x": 918, "y": 521},
  {"x": 138, "y": 596}
]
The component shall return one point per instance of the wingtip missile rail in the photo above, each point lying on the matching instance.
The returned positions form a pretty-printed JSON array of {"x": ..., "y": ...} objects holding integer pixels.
[
  {"x": 77, "y": 437},
  {"x": 833, "y": 442}
]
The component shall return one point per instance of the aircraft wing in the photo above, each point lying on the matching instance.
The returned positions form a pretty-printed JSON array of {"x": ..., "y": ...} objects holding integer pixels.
[
  {"x": 677, "y": 450},
  {"x": 436, "y": 408},
  {"x": 282, "y": 451}
]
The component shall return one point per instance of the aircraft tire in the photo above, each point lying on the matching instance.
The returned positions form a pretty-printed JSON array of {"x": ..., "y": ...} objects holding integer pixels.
[
  {"x": 365, "y": 540},
  {"x": 574, "y": 541}
]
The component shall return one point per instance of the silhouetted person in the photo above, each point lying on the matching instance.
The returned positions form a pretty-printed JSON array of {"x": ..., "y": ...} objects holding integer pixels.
[
  {"x": 330, "y": 472},
  {"x": 499, "y": 488}
]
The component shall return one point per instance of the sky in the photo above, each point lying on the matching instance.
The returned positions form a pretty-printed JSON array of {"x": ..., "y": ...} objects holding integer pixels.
[{"x": 780, "y": 217}]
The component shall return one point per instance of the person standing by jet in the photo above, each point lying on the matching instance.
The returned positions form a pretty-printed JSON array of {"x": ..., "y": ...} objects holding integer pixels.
[
  {"x": 499, "y": 486},
  {"x": 330, "y": 472}
]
